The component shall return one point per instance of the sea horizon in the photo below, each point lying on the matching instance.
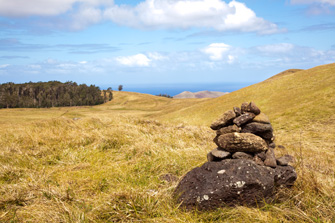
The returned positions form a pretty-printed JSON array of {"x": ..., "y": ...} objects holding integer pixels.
[{"x": 175, "y": 89}]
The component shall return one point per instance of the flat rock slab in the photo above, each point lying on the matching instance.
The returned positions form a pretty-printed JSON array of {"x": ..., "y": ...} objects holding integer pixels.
[
  {"x": 229, "y": 182},
  {"x": 243, "y": 119},
  {"x": 217, "y": 155},
  {"x": 257, "y": 127},
  {"x": 241, "y": 142},
  {"x": 225, "y": 119}
]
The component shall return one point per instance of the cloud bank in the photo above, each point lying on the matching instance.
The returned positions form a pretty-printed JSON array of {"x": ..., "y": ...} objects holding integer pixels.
[{"x": 149, "y": 14}]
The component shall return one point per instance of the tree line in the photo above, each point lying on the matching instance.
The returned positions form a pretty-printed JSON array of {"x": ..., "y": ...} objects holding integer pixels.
[{"x": 51, "y": 94}]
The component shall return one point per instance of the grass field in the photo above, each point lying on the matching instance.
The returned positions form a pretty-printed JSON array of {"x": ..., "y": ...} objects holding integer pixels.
[{"x": 109, "y": 163}]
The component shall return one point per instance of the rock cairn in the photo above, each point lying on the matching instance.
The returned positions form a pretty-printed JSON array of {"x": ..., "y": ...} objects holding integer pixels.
[
  {"x": 243, "y": 169},
  {"x": 244, "y": 133}
]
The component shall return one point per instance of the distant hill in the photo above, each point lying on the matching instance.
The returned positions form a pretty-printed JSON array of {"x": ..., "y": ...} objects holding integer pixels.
[
  {"x": 292, "y": 97},
  {"x": 200, "y": 94}
]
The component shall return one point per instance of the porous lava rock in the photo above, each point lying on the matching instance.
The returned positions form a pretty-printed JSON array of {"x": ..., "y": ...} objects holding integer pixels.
[{"x": 229, "y": 182}]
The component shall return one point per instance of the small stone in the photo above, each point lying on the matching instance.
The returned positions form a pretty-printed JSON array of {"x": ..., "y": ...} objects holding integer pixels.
[
  {"x": 285, "y": 175},
  {"x": 225, "y": 119},
  {"x": 261, "y": 155},
  {"x": 228, "y": 129},
  {"x": 243, "y": 119},
  {"x": 244, "y": 107},
  {"x": 281, "y": 147},
  {"x": 241, "y": 142},
  {"x": 242, "y": 155},
  {"x": 270, "y": 159},
  {"x": 210, "y": 157},
  {"x": 252, "y": 107},
  {"x": 256, "y": 127},
  {"x": 267, "y": 135},
  {"x": 272, "y": 145},
  {"x": 237, "y": 111},
  {"x": 258, "y": 161},
  {"x": 285, "y": 160},
  {"x": 262, "y": 118},
  {"x": 217, "y": 155}
]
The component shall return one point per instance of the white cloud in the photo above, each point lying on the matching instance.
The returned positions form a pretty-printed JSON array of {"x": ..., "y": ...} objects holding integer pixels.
[
  {"x": 138, "y": 60},
  {"x": 216, "y": 50},
  {"x": 86, "y": 16},
  {"x": 4, "y": 65},
  {"x": 330, "y": 2},
  {"x": 276, "y": 48},
  {"x": 44, "y": 7},
  {"x": 148, "y": 14},
  {"x": 216, "y": 14},
  {"x": 221, "y": 52}
]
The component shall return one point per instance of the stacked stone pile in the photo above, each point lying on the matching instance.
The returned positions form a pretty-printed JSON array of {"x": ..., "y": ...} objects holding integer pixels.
[
  {"x": 243, "y": 169},
  {"x": 245, "y": 133}
]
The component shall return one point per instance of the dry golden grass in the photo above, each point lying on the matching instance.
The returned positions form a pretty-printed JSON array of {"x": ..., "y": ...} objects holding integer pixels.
[{"x": 105, "y": 163}]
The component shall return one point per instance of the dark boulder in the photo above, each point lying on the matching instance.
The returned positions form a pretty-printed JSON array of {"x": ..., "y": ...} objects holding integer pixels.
[
  {"x": 241, "y": 142},
  {"x": 229, "y": 182}
]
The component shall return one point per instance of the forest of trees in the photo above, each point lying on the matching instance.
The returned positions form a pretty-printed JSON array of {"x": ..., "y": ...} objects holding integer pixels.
[{"x": 51, "y": 94}]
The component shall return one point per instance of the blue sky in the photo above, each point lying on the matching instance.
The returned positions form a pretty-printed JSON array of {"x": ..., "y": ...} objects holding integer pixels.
[{"x": 162, "y": 42}]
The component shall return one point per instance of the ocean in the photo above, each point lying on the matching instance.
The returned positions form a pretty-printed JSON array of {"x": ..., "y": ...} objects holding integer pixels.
[{"x": 174, "y": 89}]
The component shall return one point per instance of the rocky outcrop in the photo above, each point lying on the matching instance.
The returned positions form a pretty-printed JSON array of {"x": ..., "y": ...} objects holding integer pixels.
[{"x": 243, "y": 169}]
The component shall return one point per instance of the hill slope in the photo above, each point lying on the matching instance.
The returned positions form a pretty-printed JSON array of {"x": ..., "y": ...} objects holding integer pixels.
[{"x": 306, "y": 95}]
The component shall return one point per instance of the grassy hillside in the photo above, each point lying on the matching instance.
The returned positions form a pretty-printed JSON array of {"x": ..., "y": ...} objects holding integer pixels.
[
  {"x": 114, "y": 162},
  {"x": 305, "y": 94}
]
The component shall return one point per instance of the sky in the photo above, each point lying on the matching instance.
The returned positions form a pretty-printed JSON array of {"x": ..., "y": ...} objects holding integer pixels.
[{"x": 161, "y": 44}]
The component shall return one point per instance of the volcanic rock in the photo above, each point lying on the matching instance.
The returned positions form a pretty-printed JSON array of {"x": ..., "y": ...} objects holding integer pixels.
[
  {"x": 237, "y": 111},
  {"x": 242, "y": 155},
  {"x": 262, "y": 118},
  {"x": 217, "y": 155},
  {"x": 285, "y": 176},
  {"x": 224, "y": 120},
  {"x": 285, "y": 160},
  {"x": 253, "y": 108},
  {"x": 228, "y": 129},
  {"x": 244, "y": 107},
  {"x": 256, "y": 127},
  {"x": 270, "y": 159},
  {"x": 229, "y": 182},
  {"x": 241, "y": 142},
  {"x": 244, "y": 118}
]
